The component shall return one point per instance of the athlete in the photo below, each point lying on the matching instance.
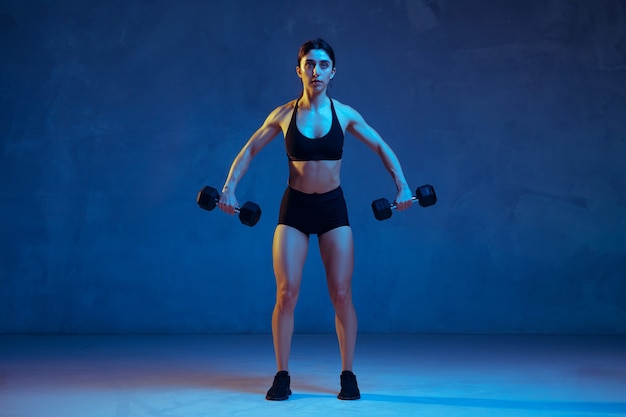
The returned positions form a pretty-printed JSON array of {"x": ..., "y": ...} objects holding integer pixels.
[{"x": 313, "y": 126}]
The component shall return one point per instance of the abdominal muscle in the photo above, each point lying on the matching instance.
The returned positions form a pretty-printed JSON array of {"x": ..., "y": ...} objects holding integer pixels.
[{"x": 314, "y": 177}]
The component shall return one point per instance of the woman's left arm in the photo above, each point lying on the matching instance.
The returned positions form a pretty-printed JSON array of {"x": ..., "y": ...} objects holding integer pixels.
[{"x": 360, "y": 129}]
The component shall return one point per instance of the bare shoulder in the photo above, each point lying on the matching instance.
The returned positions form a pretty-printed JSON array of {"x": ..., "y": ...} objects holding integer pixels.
[
  {"x": 281, "y": 113},
  {"x": 347, "y": 114}
]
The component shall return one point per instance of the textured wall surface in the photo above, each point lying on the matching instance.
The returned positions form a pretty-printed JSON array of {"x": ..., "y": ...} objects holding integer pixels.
[{"x": 114, "y": 114}]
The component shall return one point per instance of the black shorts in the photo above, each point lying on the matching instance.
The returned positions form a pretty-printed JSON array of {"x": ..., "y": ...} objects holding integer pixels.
[{"x": 313, "y": 213}]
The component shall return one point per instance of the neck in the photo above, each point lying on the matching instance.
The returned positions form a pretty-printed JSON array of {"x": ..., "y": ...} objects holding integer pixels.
[{"x": 314, "y": 101}]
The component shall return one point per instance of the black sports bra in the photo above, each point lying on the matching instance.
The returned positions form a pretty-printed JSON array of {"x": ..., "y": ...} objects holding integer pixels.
[{"x": 327, "y": 148}]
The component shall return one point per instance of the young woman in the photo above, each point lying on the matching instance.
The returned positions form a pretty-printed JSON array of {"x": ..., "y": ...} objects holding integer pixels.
[{"x": 313, "y": 126}]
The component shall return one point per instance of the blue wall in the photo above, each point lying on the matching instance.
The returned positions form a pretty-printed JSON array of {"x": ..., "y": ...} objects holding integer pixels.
[{"x": 115, "y": 113}]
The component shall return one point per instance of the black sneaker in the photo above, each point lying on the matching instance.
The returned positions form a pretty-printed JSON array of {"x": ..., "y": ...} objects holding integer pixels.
[
  {"x": 349, "y": 387},
  {"x": 280, "y": 388}
]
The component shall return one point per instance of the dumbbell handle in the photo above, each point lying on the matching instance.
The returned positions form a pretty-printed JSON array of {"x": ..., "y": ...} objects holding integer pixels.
[
  {"x": 425, "y": 195},
  {"x": 249, "y": 213},
  {"x": 394, "y": 205},
  {"x": 217, "y": 200}
]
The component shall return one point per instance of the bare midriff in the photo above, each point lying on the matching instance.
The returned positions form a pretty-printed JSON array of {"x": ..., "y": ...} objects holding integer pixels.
[{"x": 314, "y": 177}]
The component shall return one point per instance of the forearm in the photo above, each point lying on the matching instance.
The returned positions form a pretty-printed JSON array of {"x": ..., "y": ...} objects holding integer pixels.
[
  {"x": 238, "y": 168},
  {"x": 392, "y": 164}
]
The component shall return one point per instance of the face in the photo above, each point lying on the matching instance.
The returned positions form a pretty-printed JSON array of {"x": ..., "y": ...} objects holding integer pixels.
[{"x": 316, "y": 69}]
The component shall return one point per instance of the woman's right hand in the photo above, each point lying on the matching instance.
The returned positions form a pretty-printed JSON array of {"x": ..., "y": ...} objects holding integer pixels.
[{"x": 228, "y": 201}]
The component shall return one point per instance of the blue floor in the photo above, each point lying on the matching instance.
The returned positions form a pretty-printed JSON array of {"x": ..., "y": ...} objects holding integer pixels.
[{"x": 227, "y": 375}]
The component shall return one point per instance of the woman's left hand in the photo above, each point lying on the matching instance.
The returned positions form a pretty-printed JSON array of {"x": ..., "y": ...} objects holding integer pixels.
[{"x": 404, "y": 199}]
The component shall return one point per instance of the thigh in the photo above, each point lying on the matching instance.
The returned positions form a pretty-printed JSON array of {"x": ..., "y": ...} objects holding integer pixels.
[
  {"x": 294, "y": 212},
  {"x": 337, "y": 251},
  {"x": 289, "y": 252},
  {"x": 331, "y": 213}
]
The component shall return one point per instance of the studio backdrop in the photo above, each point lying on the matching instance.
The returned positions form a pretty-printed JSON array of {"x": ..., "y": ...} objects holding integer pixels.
[{"x": 116, "y": 113}]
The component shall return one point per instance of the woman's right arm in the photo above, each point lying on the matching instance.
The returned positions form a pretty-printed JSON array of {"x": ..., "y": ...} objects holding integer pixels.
[{"x": 264, "y": 135}]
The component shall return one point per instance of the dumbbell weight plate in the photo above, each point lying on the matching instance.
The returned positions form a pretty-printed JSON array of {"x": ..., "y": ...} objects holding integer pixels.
[
  {"x": 426, "y": 195},
  {"x": 381, "y": 208},
  {"x": 249, "y": 213},
  {"x": 207, "y": 198}
]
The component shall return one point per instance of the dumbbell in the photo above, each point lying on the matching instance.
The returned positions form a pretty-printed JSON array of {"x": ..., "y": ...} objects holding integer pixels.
[
  {"x": 424, "y": 195},
  {"x": 249, "y": 213}
]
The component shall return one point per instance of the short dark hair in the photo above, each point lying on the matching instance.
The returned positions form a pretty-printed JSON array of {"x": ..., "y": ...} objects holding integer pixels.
[{"x": 316, "y": 44}]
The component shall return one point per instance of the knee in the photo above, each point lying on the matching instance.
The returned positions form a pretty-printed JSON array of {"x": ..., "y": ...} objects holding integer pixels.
[
  {"x": 341, "y": 297},
  {"x": 286, "y": 299}
]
